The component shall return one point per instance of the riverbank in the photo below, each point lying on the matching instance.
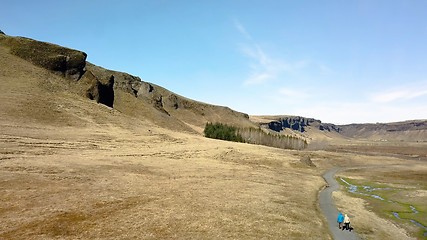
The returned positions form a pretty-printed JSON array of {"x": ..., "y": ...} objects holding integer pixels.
[
  {"x": 395, "y": 193},
  {"x": 329, "y": 209}
]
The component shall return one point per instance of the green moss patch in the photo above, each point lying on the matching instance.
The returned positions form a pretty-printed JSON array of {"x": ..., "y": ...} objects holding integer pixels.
[{"x": 390, "y": 202}]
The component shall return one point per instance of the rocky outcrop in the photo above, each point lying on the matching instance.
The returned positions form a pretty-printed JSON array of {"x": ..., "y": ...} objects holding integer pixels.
[
  {"x": 329, "y": 127},
  {"x": 306, "y": 160},
  {"x": 126, "y": 93},
  {"x": 300, "y": 124},
  {"x": 64, "y": 61},
  {"x": 132, "y": 85},
  {"x": 1, "y": 32},
  {"x": 414, "y": 130},
  {"x": 168, "y": 102},
  {"x": 296, "y": 123},
  {"x": 95, "y": 89}
]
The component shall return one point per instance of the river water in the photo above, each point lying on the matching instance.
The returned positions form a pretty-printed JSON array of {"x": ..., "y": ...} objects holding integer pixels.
[{"x": 368, "y": 191}]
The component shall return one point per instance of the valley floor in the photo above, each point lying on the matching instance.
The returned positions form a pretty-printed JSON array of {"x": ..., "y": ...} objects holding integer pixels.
[
  {"x": 110, "y": 182},
  {"x": 71, "y": 168}
]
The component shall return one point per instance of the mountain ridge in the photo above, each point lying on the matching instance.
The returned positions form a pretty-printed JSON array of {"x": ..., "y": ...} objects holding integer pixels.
[
  {"x": 132, "y": 96},
  {"x": 409, "y": 130},
  {"x": 121, "y": 91}
]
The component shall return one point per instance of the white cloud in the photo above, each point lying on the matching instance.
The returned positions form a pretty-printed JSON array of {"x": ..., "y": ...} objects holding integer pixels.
[
  {"x": 342, "y": 110},
  {"x": 257, "y": 78},
  {"x": 398, "y": 94},
  {"x": 365, "y": 112},
  {"x": 293, "y": 93},
  {"x": 324, "y": 69},
  {"x": 242, "y": 29},
  {"x": 264, "y": 67},
  {"x": 257, "y": 54}
]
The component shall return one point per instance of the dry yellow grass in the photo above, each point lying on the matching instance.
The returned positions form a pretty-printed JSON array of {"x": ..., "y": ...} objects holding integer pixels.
[
  {"x": 113, "y": 183},
  {"x": 71, "y": 168},
  {"x": 74, "y": 169}
]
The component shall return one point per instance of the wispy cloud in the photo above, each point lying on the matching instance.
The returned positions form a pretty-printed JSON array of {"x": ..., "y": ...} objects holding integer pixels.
[
  {"x": 293, "y": 93},
  {"x": 263, "y": 67},
  {"x": 242, "y": 29},
  {"x": 324, "y": 69},
  {"x": 399, "y": 94},
  {"x": 361, "y": 112}
]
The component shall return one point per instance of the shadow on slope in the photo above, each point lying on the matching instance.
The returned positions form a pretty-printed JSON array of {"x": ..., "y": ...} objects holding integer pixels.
[{"x": 70, "y": 80}]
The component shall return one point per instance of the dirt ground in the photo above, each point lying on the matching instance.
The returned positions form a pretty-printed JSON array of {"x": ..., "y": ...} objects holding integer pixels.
[
  {"x": 74, "y": 169},
  {"x": 111, "y": 183}
]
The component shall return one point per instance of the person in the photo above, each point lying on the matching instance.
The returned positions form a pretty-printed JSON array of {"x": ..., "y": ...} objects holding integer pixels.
[
  {"x": 346, "y": 223},
  {"x": 340, "y": 220}
]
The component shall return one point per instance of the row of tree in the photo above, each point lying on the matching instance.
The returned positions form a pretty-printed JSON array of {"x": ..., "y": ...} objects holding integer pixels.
[
  {"x": 253, "y": 136},
  {"x": 223, "y": 132}
]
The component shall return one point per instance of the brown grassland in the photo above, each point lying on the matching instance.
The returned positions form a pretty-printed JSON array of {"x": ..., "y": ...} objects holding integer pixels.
[{"x": 74, "y": 169}]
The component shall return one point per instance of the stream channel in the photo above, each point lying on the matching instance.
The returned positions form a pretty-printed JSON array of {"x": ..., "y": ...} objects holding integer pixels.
[{"x": 368, "y": 191}]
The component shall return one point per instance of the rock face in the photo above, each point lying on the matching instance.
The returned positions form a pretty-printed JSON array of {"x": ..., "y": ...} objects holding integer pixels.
[
  {"x": 414, "y": 130},
  {"x": 1, "y": 32},
  {"x": 95, "y": 89},
  {"x": 64, "y": 61},
  {"x": 163, "y": 100},
  {"x": 297, "y": 123},
  {"x": 126, "y": 93}
]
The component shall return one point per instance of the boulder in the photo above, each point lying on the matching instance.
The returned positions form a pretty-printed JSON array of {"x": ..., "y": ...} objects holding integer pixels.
[
  {"x": 306, "y": 160},
  {"x": 67, "y": 62}
]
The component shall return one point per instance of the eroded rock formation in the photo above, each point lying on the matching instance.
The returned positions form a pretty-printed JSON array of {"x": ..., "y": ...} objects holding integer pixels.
[
  {"x": 125, "y": 92},
  {"x": 67, "y": 62},
  {"x": 300, "y": 124},
  {"x": 95, "y": 89}
]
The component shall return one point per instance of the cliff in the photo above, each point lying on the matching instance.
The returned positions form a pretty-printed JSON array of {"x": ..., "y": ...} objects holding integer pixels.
[
  {"x": 300, "y": 124},
  {"x": 124, "y": 92},
  {"x": 413, "y": 130}
]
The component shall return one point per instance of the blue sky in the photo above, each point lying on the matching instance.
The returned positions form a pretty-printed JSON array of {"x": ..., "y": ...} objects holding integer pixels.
[{"x": 337, "y": 61}]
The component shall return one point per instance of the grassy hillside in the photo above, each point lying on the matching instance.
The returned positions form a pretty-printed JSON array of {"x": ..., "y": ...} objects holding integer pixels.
[
  {"x": 72, "y": 167},
  {"x": 128, "y": 94}
]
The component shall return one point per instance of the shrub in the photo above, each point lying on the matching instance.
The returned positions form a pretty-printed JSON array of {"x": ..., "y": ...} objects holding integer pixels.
[{"x": 222, "y": 131}]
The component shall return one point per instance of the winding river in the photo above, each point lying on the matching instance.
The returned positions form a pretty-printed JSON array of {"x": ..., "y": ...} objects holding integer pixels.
[{"x": 368, "y": 192}]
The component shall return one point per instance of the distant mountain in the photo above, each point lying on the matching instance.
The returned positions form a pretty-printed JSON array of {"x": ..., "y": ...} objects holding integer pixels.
[
  {"x": 39, "y": 78},
  {"x": 414, "y": 130}
]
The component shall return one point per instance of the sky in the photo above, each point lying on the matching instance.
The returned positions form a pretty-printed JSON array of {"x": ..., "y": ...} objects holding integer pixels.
[{"x": 342, "y": 62}]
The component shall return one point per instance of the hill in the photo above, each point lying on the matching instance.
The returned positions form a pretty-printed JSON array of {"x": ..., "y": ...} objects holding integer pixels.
[
  {"x": 121, "y": 91},
  {"x": 313, "y": 129},
  {"x": 143, "y": 100},
  {"x": 90, "y": 153}
]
